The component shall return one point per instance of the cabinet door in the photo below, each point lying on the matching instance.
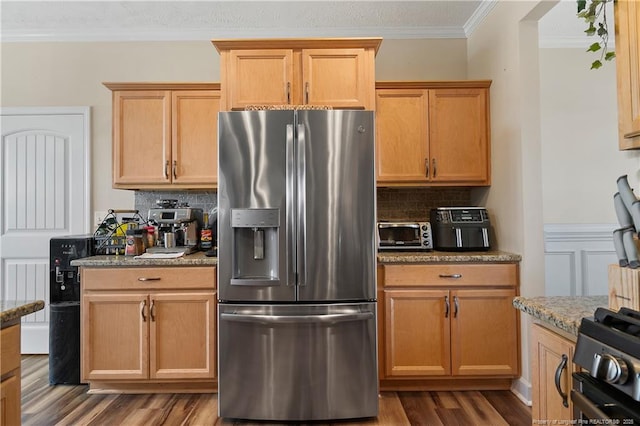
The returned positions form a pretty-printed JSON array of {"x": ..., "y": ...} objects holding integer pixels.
[
  {"x": 417, "y": 333},
  {"x": 10, "y": 401},
  {"x": 551, "y": 355},
  {"x": 182, "y": 335},
  {"x": 336, "y": 77},
  {"x": 141, "y": 137},
  {"x": 484, "y": 333},
  {"x": 627, "y": 13},
  {"x": 115, "y": 336},
  {"x": 194, "y": 127},
  {"x": 402, "y": 153},
  {"x": 259, "y": 77},
  {"x": 459, "y": 136}
]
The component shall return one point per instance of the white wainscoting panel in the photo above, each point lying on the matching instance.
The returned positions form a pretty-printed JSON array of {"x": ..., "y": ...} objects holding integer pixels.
[{"x": 577, "y": 257}]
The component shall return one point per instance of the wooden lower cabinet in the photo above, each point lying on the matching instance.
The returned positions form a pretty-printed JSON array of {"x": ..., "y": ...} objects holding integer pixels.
[
  {"x": 160, "y": 335},
  {"x": 435, "y": 330},
  {"x": 551, "y": 370},
  {"x": 10, "y": 372}
]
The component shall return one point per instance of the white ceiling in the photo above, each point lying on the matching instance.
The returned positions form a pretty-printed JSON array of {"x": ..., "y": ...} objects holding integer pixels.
[{"x": 204, "y": 20}]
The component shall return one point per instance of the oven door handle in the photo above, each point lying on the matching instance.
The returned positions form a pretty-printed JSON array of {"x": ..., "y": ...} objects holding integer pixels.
[
  {"x": 587, "y": 407},
  {"x": 561, "y": 367}
]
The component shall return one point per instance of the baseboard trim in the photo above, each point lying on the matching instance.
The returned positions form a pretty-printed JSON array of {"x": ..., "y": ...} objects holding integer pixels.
[{"x": 522, "y": 390}]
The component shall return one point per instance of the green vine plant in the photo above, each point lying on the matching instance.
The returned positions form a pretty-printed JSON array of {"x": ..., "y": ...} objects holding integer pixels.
[{"x": 595, "y": 14}]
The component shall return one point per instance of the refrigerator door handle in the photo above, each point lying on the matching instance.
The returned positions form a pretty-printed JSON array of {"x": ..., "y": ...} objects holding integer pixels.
[
  {"x": 297, "y": 319},
  {"x": 291, "y": 201},
  {"x": 302, "y": 213}
]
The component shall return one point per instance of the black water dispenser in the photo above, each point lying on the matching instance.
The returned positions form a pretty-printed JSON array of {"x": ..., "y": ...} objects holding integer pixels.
[{"x": 64, "y": 307}]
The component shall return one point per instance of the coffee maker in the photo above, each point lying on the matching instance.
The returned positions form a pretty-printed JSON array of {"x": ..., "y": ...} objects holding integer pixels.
[{"x": 178, "y": 227}]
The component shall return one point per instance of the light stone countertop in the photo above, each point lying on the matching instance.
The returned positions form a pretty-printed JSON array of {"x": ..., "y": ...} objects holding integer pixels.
[
  {"x": 12, "y": 311},
  {"x": 199, "y": 259},
  {"x": 445, "y": 256},
  {"x": 563, "y": 312},
  {"x": 194, "y": 259}
]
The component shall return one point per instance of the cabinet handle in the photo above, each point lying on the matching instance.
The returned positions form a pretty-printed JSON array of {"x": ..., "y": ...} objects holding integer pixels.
[
  {"x": 446, "y": 306},
  {"x": 149, "y": 279},
  {"x": 454, "y": 276},
  {"x": 175, "y": 169},
  {"x": 561, "y": 367},
  {"x": 631, "y": 135},
  {"x": 306, "y": 92},
  {"x": 426, "y": 167},
  {"x": 289, "y": 92},
  {"x": 434, "y": 167},
  {"x": 152, "y": 310},
  {"x": 456, "y": 306},
  {"x": 142, "y": 306},
  {"x": 166, "y": 169}
]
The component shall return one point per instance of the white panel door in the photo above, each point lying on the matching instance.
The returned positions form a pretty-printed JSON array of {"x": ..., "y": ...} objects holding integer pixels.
[{"x": 44, "y": 181}]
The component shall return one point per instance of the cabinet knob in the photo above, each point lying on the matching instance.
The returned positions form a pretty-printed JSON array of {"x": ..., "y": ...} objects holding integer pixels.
[
  {"x": 175, "y": 169},
  {"x": 166, "y": 170},
  {"x": 426, "y": 168},
  {"x": 433, "y": 167}
]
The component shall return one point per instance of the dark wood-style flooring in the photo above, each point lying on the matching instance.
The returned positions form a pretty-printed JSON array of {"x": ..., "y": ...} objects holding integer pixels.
[{"x": 43, "y": 404}]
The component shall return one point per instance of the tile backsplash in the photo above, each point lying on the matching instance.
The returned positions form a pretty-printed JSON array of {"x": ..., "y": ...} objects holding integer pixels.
[
  {"x": 393, "y": 203},
  {"x": 206, "y": 200},
  {"x": 416, "y": 203}
]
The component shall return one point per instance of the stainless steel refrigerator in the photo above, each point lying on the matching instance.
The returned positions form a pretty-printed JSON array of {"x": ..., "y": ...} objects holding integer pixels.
[{"x": 296, "y": 265}]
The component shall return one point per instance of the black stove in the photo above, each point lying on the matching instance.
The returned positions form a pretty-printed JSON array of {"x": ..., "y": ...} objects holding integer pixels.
[{"x": 608, "y": 350}]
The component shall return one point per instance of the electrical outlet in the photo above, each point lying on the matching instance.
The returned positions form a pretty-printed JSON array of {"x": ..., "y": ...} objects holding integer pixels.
[{"x": 98, "y": 217}]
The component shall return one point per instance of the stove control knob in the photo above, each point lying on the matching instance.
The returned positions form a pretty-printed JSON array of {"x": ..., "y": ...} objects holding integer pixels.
[{"x": 610, "y": 368}]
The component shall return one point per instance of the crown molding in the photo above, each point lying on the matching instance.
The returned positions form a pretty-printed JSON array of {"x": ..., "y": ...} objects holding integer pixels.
[
  {"x": 478, "y": 16},
  {"x": 119, "y": 34}
]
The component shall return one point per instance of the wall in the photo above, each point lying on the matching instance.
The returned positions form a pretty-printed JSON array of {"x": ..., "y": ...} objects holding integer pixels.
[
  {"x": 504, "y": 48},
  {"x": 579, "y": 139},
  {"x": 71, "y": 74}
]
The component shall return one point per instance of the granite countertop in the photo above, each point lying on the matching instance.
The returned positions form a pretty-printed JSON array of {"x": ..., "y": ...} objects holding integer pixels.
[
  {"x": 194, "y": 259},
  {"x": 12, "y": 311},
  {"x": 563, "y": 312},
  {"x": 445, "y": 256}
]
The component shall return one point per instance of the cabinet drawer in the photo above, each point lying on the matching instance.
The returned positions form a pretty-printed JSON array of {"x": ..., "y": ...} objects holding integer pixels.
[
  {"x": 451, "y": 274},
  {"x": 10, "y": 348},
  {"x": 191, "y": 277}
]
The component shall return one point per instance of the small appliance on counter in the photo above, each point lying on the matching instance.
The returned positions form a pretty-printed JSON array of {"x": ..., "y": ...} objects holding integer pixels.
[
  {"x": 64, "y": 306},
  {"x": 178, "y": 227},
  {"x": 461, "y": 228},
  {"x": 404, "y": 236}
]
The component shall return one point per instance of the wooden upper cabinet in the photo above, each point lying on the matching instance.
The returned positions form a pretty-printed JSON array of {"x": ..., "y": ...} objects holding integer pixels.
[
  {"x": 402, "y": 145},
  {"x": 194, "y": 135},
  {"x": 259, "y": 77},
  {"x": 165, "y": 135},
  {"x": 627, "y": 22},
  {"x": 433, "y": 133},
  {"x": 334, "y": 72},
  {"x": 337, "y": 77},
  {"x": 458, "y": 136}
]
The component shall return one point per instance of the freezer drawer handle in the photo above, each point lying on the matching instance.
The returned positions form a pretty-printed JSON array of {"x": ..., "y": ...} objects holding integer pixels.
[
  {"x": 149, "y": 279},
  {"x": 288, "y": 319}
]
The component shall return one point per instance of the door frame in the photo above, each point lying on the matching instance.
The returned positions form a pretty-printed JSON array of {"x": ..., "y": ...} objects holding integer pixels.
[{"x": 34, "y": 334}]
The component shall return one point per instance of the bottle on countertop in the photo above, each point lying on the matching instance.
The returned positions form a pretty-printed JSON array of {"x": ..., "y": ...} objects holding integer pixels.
[{"x": 206, "y": 234}]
